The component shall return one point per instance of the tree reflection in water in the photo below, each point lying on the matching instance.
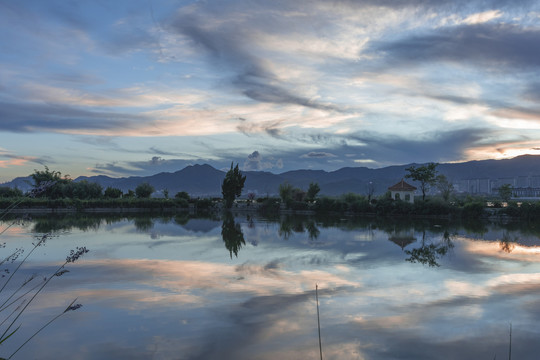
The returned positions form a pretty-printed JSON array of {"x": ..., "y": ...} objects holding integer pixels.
[
  {"x": 232, "y": 234},
  {"x": 508, "y": 243},
  {"x": 428, "y": 253},
  {"x": 298, "y": 224}
]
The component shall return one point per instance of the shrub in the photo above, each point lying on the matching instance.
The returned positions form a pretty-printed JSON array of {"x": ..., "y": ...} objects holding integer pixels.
[
  {"x": 112, "y": 193},
  {"x": 144, "y": 190},
  {"x": 473, "y": 209},
  {"x": 182, "y": 195},
  {"x": 7, "y": 192}
]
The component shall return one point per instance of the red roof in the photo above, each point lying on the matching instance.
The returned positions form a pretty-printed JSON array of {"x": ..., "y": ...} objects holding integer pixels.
[{"x": 402, "y": 186}]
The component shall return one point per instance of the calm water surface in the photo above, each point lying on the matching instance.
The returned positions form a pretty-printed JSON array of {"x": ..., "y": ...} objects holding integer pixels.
[{"x": 244, "y": 288}]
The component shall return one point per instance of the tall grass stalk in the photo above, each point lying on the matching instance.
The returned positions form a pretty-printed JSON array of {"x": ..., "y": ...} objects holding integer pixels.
[
  {"x": 69, "y": 308},
  {"x": 59, "y": 271},
  {"x": 318, "y": 318},
  {"x": 510, "y": 344},
  {"x": 28, "y": 295}
]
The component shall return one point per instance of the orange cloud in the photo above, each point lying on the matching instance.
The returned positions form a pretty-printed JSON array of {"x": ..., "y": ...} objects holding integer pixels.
[{"x": 14, "y": 162}]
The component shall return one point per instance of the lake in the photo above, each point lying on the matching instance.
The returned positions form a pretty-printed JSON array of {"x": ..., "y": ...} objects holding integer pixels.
[{"x": 243, "y": 287}]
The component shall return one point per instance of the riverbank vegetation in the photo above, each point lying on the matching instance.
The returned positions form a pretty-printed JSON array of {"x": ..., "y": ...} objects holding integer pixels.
[{"x": 53, "y": 192}]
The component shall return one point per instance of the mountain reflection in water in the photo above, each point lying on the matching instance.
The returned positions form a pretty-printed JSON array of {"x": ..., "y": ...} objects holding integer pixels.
[{"x": 179, "y": 287}]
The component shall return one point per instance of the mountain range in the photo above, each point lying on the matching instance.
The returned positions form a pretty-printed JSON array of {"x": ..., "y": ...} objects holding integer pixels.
[{"x": 204, "y": 180}]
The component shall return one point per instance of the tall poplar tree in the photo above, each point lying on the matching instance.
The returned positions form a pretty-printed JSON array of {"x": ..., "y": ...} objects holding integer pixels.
[{"x": 232, "y": 185}]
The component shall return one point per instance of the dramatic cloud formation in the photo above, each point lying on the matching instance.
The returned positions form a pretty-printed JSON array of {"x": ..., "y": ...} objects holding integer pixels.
[{"x": 305, "y": 84}]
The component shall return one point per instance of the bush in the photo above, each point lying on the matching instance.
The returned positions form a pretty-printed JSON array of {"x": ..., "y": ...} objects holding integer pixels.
[
  {"x": 7, "y": 192},
  {"x": 270, "y": 206},
  {"x": 144, "y": 190},
  {"x": 204, "y": 204},
  {"x": 433, "y": 206},
  {"x": 112, "y": 193},
  {"x": 183, "y": 203},
  {"x": 512, "y": 209},
  {"x": 298, "y": 205},
  {"x": 473, "y": 209},
  {"x": 182, "y": 195}
]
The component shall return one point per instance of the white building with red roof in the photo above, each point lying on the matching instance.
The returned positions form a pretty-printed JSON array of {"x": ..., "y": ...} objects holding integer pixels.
[{"x": 403, "y": 191}]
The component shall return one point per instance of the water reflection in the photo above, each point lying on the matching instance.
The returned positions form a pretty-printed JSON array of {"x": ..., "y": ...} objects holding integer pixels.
[
  {"x": 508, "y": 243},
  {"x": 232, "y": 234},
  {"x": 294, "y": 224},
  {"x": 183, "y": 297},
  {"x": 428, "y": 253}
]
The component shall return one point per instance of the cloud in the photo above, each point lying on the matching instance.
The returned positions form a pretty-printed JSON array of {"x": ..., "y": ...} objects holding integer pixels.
[
  {"x": 482, "y": 17},
  {"x": 60, "y": 118},
  {"x": 318, "y": 155},
  {"x": 495, "y": 47},
  {"x": 255, "y": 162},
  {"x": 20, "y": 160},
  {"x": 532, "y": 92},
  {"x": 112, "y": 169},
  {"x": 149, "y": 167},
  {"x": 272, "y": 128},
  {"x": 230, "y": 38}
]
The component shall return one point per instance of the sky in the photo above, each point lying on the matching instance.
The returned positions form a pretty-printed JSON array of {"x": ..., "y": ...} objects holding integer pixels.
[{"x": 138, "y": 87}]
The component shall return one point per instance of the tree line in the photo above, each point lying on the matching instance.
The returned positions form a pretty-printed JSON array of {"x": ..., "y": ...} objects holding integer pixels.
[{"x": 51, "y": 185}]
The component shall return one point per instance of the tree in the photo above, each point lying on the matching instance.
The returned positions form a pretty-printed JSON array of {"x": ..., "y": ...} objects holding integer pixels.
[
  {"x": 445, "y": 187},
  {"x": 425, "y": 174},
  {"x": 312, "y": 191},
  {"x": 232, "y": 185},
  {"x": 505, "y": 192},
  {"x": 144, "y": 190},
  {"x": 286, "y": 192},
  {"x": 49, "y": 183},
  {"x": 6, "y": 192},
  {"x": 182, "y": 195},
  {"x": 112, "y": 193},
  {"x": 370, "y": 190}
]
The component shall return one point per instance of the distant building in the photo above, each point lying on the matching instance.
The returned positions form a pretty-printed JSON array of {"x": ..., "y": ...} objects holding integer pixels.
[{"x": 402, "y": 191}]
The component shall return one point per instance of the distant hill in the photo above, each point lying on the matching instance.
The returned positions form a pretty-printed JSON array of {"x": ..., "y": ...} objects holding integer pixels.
[{"x": 204, "y": 180}]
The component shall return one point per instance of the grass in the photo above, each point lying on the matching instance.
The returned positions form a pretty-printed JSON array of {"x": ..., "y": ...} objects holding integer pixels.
[{"x": 16, "y": 299}]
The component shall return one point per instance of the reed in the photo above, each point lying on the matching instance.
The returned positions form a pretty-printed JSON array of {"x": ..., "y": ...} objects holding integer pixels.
[
  {"x": 21, "y": 296},
  {"x": 318, "y": 318}
]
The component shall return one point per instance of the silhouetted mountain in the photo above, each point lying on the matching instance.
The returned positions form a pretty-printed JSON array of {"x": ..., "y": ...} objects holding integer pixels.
[{"x": 204, "y": 180}]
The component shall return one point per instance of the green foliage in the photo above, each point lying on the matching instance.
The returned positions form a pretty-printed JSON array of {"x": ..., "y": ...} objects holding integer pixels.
[
  {"x": 204, "y": 204},
  {"x": 298, "y": 205},
  {"x": 329, "y": 204},
  {"x": 46, "y": 175},
  {"x": 80, "y": 190},
  {"x": 290, "y": 194},
  {"x": 49, "y": 184},
  {"x": 182, "y": 203},
  {"x": 445, "y": 187},
  {"x": 7, "y": 192},
  {"x": 232, "y": 185},
  {"x": 144, "y": 190},
  {"x": 112, "y": 193},
  {"x": 512, "y": 209},
  {"x": 473, "y": 210},
  {"x": 505, "y": 192},
  {"x": 269, "y": 206},
  {"x": 312, "y": 191},
  {"x": 285, "y": 192},
  {"x": 182, "y": 195},
  {"x": 426, "y": 175}
]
